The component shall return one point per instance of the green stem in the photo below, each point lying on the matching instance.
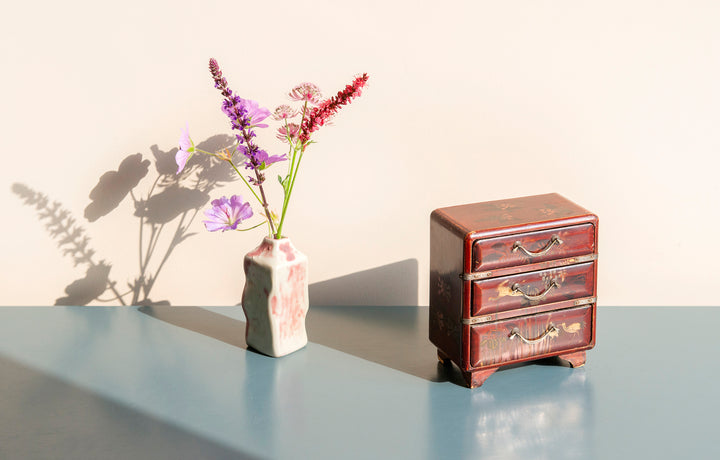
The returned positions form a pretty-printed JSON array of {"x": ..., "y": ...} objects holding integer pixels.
[
  {"x": 246, "y": 182},
  {"x": 291, "y": 153},
  {"x": 251, "y": 228},
  {"x": 293, "y": 171},
  {"x": 265, "y": 204},
  {"x": 286, "y": 202}
]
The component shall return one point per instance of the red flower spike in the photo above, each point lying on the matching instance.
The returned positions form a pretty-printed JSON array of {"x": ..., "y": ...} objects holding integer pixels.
[{"x": 326, "y": 109}]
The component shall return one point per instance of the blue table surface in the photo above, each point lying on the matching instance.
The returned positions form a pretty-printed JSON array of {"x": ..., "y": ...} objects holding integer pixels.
[{"x": 179, "y": 382}]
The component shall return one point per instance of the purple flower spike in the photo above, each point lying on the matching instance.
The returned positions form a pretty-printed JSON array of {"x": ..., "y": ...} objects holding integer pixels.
[
  {"x": 187, "y": 148},
  {"x": 257, "y": 157},
  {"x": 245, "y": 113},
  {"x": 226, "y": 213}
]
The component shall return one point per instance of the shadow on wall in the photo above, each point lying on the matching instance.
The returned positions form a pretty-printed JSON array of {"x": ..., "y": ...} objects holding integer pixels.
[
  {"x": 169, "y": 206},
  {"x": 388, "y": 285}
]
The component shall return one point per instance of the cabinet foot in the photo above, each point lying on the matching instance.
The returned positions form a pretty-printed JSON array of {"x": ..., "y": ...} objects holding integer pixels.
[
  {"x": 576, "y": 359},
  {"x": 474, "y": 379},
  {"x": 442, "y": 357}
]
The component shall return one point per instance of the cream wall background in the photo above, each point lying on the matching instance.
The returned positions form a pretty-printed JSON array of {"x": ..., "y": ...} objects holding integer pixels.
[{"x": 614, "y": 104}]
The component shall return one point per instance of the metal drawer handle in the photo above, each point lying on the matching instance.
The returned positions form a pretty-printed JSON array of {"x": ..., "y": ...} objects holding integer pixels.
[
  {"x": 550, "y": 329},
  {"x": 553, "y": 284},
  {"x": 553, "y": 241}
]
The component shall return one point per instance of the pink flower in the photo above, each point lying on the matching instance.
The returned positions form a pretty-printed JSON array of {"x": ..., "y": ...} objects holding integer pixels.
[
  {"x": 187, "y": 148},
  {"x": 306, "y": 92},
  {"x": 283, "y": 112},
  {"x": 226, "y": 214},
  {"x": 292, "y": 130}
]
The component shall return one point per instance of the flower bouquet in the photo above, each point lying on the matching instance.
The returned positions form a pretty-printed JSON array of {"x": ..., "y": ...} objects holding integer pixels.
[{"x": 275, "y": 298}]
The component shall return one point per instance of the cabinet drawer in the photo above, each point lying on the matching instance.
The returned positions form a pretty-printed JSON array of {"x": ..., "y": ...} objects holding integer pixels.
[
  {"x": 530, "y": 336},
  {"x": 532, "y": 288},
  {"x": 531, "y": 247}
]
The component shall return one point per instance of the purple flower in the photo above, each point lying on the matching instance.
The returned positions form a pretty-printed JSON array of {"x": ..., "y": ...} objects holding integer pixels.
[
  {"x": 263, "y": 158},
  {"x": 226, "y": 213},
  {"x": 187, "y": 148},
  {"x": 245, "y": 113},
  {"x": 256, "y": 113},
  {"x": 255, "y": 157}
]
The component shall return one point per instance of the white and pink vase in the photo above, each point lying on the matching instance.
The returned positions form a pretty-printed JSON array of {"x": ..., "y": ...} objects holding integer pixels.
[{"x": 275, "y": 298}]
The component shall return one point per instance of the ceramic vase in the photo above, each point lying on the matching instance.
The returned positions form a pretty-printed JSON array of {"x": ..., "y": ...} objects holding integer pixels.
[{"x": 275, "y": 298}]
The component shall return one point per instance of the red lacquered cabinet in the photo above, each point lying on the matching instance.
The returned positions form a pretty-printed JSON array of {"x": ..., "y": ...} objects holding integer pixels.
[{"x": 512, "y": 280}]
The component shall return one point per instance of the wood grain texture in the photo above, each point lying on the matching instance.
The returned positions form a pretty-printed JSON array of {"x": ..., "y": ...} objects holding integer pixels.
[
  {"x": 498, "y": 252},
  {"x": 446, "y": 290},
  {"x": 474, "y": 379},
  {"x": 514, "y": 215},
  {"x": 492, "y": 344},
  {"x": 576, "y": 359},
  {"x": 553, "y": 285}
]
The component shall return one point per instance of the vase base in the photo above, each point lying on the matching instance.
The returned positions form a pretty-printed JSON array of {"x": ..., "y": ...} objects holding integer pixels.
[{"x": 277, "y": 353}]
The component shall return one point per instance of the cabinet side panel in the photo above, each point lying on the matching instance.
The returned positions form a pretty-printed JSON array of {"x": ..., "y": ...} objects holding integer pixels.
[
  {"x": 446, "y": 256},
  {"x": 596, "y": 223}
]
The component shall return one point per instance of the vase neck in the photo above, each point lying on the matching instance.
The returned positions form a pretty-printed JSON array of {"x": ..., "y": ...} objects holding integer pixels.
[{"x": 274, "y": 242}]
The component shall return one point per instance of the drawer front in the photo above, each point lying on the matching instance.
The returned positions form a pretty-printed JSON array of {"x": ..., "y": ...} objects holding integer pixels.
[
  {"x": 532, "y": 247},
  {"x": 532, "y": 288},
  {"x": 531, "y": 336}
]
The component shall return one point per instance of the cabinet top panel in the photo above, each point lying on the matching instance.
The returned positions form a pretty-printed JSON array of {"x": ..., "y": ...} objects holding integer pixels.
[{"x": 514, "y": 215}]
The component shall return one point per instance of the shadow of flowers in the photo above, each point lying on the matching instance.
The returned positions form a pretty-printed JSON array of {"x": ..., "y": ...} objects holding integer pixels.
[{"x": 171, "y": 204}]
